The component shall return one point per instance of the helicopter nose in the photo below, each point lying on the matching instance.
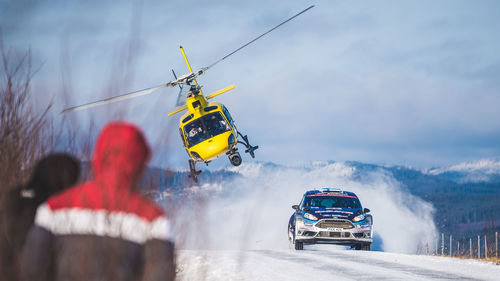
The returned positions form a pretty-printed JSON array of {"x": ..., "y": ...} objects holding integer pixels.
[{"x": 214, "y": 147}]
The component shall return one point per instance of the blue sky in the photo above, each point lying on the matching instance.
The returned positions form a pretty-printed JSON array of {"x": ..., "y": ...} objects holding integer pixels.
[{"x": 397, "y": 82}]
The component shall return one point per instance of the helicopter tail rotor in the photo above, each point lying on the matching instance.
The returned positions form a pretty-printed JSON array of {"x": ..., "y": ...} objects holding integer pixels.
[{"x": 249, "y": 148}]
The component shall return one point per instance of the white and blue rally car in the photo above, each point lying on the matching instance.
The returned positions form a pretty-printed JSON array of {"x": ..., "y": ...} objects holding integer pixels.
[{"x": 331, "y": 216}]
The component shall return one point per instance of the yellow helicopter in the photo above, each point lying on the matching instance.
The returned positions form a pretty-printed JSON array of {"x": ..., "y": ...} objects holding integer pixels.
[{"x": 207, "y": 129}]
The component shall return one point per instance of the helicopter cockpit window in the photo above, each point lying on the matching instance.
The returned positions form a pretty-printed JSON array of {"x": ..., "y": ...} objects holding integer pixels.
[
  {"x": 228, "y": 116},
  {"x": 187, "y": 118},
  {"x": 195, "y": 132},
  {"x": 183, "y": 140},
  {"x": 216, "y": 124},
  {"x": 203, "y": 128},
  {"x": 210, "y": 108}
]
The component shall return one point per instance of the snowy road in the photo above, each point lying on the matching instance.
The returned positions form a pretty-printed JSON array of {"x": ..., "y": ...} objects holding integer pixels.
[{"x": 323, "y": 263}]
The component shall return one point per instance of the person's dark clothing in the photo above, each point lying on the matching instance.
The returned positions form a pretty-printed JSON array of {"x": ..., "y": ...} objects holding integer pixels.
[
  {"x": 103, "y": 229},
  {"x": 51, "y": 174}
]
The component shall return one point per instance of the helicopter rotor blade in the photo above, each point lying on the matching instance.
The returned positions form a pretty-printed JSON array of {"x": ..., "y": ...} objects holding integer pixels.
[
  {"x": 116, "y": 98},
  {"x": 182, "y": 80},
  {"x": 201, "y": 71}
]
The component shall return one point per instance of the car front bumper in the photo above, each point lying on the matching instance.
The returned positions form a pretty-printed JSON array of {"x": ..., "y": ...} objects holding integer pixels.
[{"x": 328, "y": 231}]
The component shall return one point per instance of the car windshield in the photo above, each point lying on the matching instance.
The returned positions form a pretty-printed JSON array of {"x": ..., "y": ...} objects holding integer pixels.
[
  {"x": 331, "y": 201},
  {"x": 203, "y": 128}
]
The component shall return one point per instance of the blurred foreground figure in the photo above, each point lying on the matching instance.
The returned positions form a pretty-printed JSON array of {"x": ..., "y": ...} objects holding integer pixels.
[
  {"x": 51, "y": 174},
  {"x": 103, "y": 229}
]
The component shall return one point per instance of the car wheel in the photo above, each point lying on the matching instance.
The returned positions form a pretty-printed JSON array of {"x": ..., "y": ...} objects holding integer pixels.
[
  {"x": 366, "y": 247},
  {"x": 299, "y": 245},
  {"x": 357, "y": 247}
]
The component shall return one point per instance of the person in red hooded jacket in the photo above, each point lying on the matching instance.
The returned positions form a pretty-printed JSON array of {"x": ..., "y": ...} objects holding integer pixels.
[{"x": 103, "y": 229}]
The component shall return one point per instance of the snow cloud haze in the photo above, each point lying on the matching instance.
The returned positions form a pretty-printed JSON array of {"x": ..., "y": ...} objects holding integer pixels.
[{"x": 252, "y": 212}]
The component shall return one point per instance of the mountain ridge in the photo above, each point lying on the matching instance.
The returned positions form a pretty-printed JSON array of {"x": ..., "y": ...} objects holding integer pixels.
[{"x": 465, "y": 204}]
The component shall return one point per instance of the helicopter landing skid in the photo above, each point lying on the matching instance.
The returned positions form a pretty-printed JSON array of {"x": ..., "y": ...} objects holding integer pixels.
[
  {"x": 193, "y": 172},
  {"x": 249, "y": 148}
]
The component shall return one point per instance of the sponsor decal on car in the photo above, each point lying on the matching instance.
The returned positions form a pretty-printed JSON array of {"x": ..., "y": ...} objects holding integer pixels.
[
  {"x": 363, "y": 229},
  {"x": 334, "y": 229},
  {"x": 306, "y": 227},
  {"x": 334, "y": 211},
  {"x": 330, "y": 195}
]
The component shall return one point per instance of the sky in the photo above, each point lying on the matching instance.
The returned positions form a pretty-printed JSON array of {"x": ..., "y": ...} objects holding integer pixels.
[{"x": 387, "y": 82}]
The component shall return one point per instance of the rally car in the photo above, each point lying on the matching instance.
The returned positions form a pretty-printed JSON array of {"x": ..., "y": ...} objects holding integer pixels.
[{"x": 330, "y": 216}]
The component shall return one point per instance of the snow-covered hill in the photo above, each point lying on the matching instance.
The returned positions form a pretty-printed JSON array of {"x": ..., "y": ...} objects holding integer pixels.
[{"x": 483, "y": 170}]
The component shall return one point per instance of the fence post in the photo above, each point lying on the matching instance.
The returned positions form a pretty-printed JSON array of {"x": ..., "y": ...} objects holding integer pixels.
[
  {"x": 442, "y": 244},
  {"x": 485, "y": 248},
  {"x": 458, "y": 248},
  {"x": 478, "y": 247},
  {"x": 496, "y": 244},
  {"x": 436, "y": 250},
  {"x": 451, "y": 249},
  {"x": 470, "y": 247}
]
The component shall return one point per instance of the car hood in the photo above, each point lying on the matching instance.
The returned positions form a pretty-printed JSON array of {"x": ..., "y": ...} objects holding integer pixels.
[{"x": 324, "y": 213}]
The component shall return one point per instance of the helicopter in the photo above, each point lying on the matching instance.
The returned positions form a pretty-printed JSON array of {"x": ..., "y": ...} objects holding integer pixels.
[{"x": 206, "y": 128}]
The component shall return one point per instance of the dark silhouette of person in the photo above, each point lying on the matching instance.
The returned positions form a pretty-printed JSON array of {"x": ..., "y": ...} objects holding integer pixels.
[
  {"x": 52, "y": 174},
  {"x": 103, "y": 229}
]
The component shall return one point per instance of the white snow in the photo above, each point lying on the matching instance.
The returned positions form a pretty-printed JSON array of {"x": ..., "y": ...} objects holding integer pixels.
[
  {"x": 326, "y": 262},
  {"x": 253, "y": 211},
  {"x": 475, "y": 171},
  {"x": 236, "y": 230}
]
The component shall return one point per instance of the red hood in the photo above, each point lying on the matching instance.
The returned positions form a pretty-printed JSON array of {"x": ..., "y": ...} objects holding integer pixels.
[{"x": 120, "y": 155}]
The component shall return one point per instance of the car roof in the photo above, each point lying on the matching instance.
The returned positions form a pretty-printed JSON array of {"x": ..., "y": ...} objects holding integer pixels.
[{"x": 330, "y": 190}]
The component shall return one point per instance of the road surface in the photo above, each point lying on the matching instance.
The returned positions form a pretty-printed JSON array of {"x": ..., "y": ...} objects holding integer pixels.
[{"x": 324, "y": 263}]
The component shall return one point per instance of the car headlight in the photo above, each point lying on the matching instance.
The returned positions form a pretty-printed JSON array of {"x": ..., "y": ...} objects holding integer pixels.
[
  {"x": 358, "y": 218},
  {"x": 310, "y": 217},
  {"x": 369, "y": 220}
]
